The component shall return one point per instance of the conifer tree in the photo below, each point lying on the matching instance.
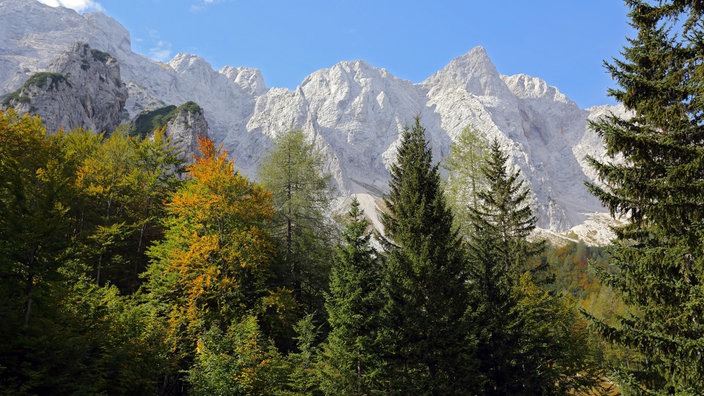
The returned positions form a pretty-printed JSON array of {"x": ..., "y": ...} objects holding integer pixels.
[
  {"x": 293, "y": 173},
  {"x": 465, "y": 180},
  {"x": 350, "y": 362},
  {"x": 425, "y": 335},
  {"x": 525, "y": 342},
  {"x": 654, "y": 179},
  {"x": 501, "y": 221}
]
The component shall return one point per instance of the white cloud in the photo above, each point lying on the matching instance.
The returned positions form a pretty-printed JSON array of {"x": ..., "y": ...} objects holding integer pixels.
[
  {"x": 78, "y": 5},
  {"x": 161, "y": 50},
  {"x": 202, "y": 4}
]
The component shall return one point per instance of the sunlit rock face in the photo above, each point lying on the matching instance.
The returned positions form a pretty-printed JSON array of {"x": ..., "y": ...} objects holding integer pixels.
[{"x": 353, "y": 112}]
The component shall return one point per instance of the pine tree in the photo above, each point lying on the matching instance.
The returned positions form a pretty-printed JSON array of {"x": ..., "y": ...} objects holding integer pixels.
[
  {"x": 425, "y": 333},
  {"x": 654, "y": 179},
  {"x": 350, "y": 359}
]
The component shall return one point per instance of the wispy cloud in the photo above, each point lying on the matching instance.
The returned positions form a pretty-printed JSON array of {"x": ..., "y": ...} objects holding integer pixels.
[
  {"x": 78, "y": 5},
  {"x": 202, "y": 4},
  {"x": 161, "y": 49}
]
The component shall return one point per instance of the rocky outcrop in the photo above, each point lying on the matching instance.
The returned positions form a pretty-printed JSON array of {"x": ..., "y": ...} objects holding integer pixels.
[
  {"x": 183, "y": 125},
  {"x": 81, "y": 88}
]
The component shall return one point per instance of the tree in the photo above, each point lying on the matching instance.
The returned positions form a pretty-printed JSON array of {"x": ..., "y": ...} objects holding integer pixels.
[
  {"x": 351, "y": 363},
  {"x": 467, "y": 155},
  {"x": 654, "y": 178},
  {"x": 293, "y": 173},
  {"x": 424, "y": 331},
  {"x": 35, "y": 191},
  {"x": 121, "y": 183},
  {"x": 239, "y": 362},
  {"x": 60, "y": 333},
  {"x": 503, "y": 219},
  {"x": 529, "y": 340},
  {"x": 212, "y": 266}
]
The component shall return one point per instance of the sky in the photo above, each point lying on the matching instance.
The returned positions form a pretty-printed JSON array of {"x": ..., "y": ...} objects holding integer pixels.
[{"x": 564, "y": 42}]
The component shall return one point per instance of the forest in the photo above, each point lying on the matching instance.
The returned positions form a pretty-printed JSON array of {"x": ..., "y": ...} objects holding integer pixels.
[{"x": 126, "y": 268}]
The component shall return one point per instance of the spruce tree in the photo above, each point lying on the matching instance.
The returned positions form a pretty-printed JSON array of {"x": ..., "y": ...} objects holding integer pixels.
[
  {"x": 503, "y": 219},
  {"x": 654, "y": 180},
  {"x": 351, "y": 363},
  {"x": 499, "y": 252},
  {"x": 525, "y": 340},
  {"x": 425, "y": 334}
]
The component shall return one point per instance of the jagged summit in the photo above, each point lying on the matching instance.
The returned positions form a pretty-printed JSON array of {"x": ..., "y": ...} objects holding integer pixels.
[
  {"x": 353, "y": 111},
  {"x": 249, "y": 79},
  {"x": 473, "y": 72}
]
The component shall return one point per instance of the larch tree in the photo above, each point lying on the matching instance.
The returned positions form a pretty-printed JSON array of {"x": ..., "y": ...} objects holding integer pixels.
[
  {"x": 655, "y": 179},
  {"x": 465, "y": 179},
  {"x": 293, "y": 173},
  {"x": 424, "y": 333}
]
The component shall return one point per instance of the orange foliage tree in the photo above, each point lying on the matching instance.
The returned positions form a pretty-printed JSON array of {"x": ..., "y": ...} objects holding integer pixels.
[{"x": 212, "y": 266}]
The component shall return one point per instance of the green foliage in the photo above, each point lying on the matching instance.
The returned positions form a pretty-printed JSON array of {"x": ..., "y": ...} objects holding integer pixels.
[
  {"x": 293, "y": 173},
  {"x": 122, "y": 183},
  {"x": 503, "y": 219},
  {"x": 304, "y": 378},
  {"x": 35, "y": 195},
  {"x": 530, "y": 341},
  {"x": 151, "y": 121},
  {"x": 657, "y": 184},
  {"x": 350, "y": 362},
  {"x": 465, "y": 180},
  {"x": 212, "y": 265},
  {"x": 240, "y": 362},
  {"x": 190, "y": 107},
  {"x": 425, "y": 336},
  {"x": 148, "y": 122},
  {"x": 61, "y": 333},
  {"x": 40, "y": 80},
  {"x": 100, "y": 56}
]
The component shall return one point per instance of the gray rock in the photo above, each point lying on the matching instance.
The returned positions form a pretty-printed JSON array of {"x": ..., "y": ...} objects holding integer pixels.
[{"x": 81, "y": 88}]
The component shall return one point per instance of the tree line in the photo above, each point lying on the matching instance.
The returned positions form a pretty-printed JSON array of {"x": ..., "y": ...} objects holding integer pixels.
[{"x": 125, "y": 271}]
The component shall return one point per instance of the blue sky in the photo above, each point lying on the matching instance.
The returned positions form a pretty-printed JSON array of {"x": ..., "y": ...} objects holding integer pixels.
[{"x": 561, "y": 41}]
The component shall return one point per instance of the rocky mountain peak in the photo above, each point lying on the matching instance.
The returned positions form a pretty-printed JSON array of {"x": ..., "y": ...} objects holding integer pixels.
[
  {"x": 81, "y": 88},
  {"x": 472, "y": 72},
  {"x": 185, "y": 126},
  {"x": 352, "y": 111},
  {"x": 249, "y": 79}
]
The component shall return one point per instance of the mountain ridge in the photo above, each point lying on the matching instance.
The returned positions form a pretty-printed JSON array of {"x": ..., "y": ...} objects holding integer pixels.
[{"x": 354, "y": 112}]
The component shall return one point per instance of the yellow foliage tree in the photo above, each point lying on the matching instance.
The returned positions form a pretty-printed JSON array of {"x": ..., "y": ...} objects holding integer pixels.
[{"x": 211, "y": 268}]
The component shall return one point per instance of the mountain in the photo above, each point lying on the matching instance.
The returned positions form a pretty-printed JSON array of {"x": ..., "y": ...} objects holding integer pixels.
[
  {"x": 82, "y": 88},
  {"x": 354, "y": 112}
]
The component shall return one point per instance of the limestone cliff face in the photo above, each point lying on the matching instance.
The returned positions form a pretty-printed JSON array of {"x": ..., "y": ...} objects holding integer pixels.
[
  {"x": 353, "y": 112},
  {"x": 186, "y": 125},
  {"x": 81, "y": 88}
]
